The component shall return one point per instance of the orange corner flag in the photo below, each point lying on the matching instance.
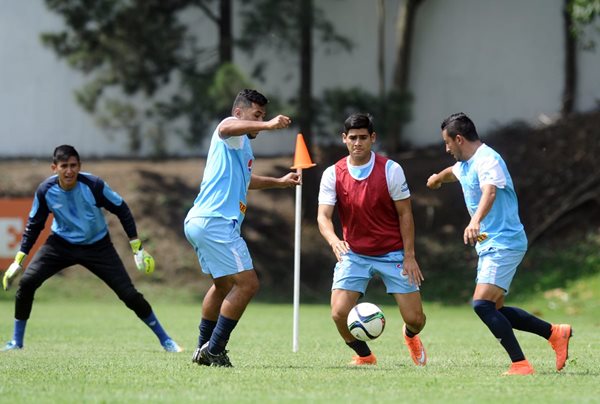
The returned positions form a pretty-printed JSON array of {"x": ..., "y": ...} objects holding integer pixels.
[{"x": 301, "y": 156}]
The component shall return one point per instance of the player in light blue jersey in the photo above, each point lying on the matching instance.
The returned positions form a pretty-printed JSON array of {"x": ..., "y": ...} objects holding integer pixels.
[
  {"x": 499, "y": 239},
  {"x": 79, "y": 236},
  {"x": 212, "y": 225}
]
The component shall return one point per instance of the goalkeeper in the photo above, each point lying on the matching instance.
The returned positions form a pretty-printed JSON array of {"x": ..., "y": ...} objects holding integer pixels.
[{"x": 79, "y": 236}]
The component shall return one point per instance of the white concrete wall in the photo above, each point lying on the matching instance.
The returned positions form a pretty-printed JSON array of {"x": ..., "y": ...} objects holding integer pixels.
[
  {"x": 37, "y": 106},
  {"x": 498, "y": 61}
]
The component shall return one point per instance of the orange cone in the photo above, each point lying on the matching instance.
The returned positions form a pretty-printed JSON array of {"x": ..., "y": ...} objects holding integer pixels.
[{"x": 301, "y": 156}]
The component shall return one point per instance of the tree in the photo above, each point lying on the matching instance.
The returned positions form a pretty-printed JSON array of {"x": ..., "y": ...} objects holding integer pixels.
[
  {"x": 404, "y": 34},
  {"x": 289, "y": 26},
  {"x": 577, "y": 16},
  {"x": 141, "y": 50},
  {"x": 390, "y": 108},
  {"x": 584, "y": 13},
  {"x": 306, "y": 109},
  {"x": 570, "y": 77}
]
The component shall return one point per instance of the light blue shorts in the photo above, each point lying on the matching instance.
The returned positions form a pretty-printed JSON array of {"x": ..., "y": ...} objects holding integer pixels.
[
  {"x": 355, "y": 271},
  {"x": 498, "y": 267},
  {"x": 219, "y": 246}
]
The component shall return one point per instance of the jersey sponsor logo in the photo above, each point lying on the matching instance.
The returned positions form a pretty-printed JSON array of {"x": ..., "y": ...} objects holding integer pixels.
[
  {"x": 250, "y": 165},
  {"x": 243, "y": 208}
]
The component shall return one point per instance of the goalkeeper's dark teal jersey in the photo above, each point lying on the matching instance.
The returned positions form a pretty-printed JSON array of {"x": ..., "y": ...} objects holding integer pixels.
[{"x": 78, "y": 216}]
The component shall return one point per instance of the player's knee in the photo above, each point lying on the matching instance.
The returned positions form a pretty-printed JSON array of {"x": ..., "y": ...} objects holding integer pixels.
[
  {"x": 483, "y": 307},
  {"x": 249, "y": 287},
  {"x": 24, "y": 293},
  {"x": 254, "y": 286},
  {"x": 338, "y": 316},
  {"x": 27, "y": 286}
]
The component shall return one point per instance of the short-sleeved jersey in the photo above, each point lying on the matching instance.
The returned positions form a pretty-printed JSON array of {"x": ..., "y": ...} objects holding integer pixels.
[
  {"x": 502, "y": 223},
  {"x": 226, "y": 179},
  {"x": 364, "y": 196},
  {"x": 78, "y": 216}
]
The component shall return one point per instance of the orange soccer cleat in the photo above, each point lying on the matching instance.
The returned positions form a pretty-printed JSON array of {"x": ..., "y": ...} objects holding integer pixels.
[
  {"x": 520, "y": 368},
  {"x": 559, "y": 340},
  {"x": 415, "y": 348},
  {"x": 363, "y": 360}
]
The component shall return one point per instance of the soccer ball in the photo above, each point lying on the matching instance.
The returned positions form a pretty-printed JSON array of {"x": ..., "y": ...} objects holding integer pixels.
[{"x": 366, "y": 321}]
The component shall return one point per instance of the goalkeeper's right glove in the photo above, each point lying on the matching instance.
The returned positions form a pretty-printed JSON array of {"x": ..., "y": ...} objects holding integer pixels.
[{"x": 13, "y": 270}]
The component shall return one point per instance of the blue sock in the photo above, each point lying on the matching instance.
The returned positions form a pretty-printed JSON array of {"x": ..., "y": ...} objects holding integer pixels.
[
  {"x": 524, "y": 321},
  {"x": 206, "y": 328},
  {"x": 152, "y": 322},
  {"x": 19, "y": 332},
  {"x": 220, "y": 335},
  {"x": 500, "y": 327}
]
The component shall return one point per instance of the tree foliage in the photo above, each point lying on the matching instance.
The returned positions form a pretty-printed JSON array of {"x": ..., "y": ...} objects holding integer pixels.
[
  {"x": 584, "y": 13},
  {"x": 338, "y": 103},
  {"x": 276, "y": 24},
  {"x": 147, "y": 75},
  {"x": 146, "y": 71},
  {"x": 292, "y": 29}
]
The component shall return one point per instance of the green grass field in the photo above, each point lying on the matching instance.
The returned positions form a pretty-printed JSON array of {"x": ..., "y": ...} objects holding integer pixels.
[{"x": 95, "y": 350}]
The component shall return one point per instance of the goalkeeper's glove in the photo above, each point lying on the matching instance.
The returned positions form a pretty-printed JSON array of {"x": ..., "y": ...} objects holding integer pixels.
[
  {"x": 143, "y": 261},
  {"x": 13, "y": 270}
]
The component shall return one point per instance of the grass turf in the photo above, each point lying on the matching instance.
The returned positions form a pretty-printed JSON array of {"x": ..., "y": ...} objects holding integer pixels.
[{"x": 97, "y": 351}]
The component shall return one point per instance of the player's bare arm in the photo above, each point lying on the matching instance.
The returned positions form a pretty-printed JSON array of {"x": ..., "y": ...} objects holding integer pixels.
[
  {"x": 407, "y": 229},
  {"x": 472, "y": 231},
  {"x": 325, "y": 221},
  {"x": 239, "y": 127},
  {"x": 289, "y": 180},
  {"x": 436, "y": 180}
]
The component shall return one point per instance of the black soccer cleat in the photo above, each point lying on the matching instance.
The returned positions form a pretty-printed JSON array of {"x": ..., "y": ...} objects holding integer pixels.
[
  {"x": 197, "y": 358},
  {"x": 206, "y": 358}
]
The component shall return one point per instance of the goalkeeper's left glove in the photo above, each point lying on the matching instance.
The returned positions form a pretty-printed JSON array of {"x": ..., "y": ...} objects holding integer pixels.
[
  {"x": 143, "y": 261},
  {"x": 13, "y": 270}
]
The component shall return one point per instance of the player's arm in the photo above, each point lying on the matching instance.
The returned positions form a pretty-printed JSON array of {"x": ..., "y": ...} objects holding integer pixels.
[
  {"x": 436, "y": 180},
  {"x": 407, "y": 229},
  {"x": 239, "y": 127},
  {"x": 287, "y": 181},
  {"x": 110, "y": 200},
  {"x": 36, "y": 221},
  {"x": 325, "y": 221},
  {"x": 144, "y": 262},
  {"x": 472, "y": 231},
  {"x": 115, "y": 204}
]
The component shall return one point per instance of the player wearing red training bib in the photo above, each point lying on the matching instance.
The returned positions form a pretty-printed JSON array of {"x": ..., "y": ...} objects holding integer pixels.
[{"x": 373, "y": 202}]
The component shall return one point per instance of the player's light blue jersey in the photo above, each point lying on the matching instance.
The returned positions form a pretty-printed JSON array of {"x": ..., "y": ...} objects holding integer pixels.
[
  {"x": 226, "y": 178},
  {"x": 78, "y": 216},
  {"x": 502, "y": 223}
]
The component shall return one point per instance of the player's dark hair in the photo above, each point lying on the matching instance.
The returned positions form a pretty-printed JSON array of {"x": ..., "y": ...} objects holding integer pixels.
[
  {"x": 359, "y": 121},
  {"x": 460, "y": 124},
  {"x": 246, "y": 97},
  {"x": 63, "y": 153}
]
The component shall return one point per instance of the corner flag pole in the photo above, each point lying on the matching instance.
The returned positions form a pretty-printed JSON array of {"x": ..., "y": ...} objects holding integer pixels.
[{"x": 301, "y": 160}]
